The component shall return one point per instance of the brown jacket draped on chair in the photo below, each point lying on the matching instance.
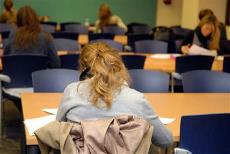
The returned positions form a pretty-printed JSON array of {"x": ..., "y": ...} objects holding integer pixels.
[{"x": 118, "y": 135}]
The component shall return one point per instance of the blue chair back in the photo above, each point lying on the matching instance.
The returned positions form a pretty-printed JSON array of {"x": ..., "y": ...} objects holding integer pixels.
[
  {"x": 5, "y": 27},
  {"x": 66, "y": 45},
  {"x": 134, "y": 61},
  {"x": 206, "y": 81},
  {"x": 20, "y": 67},
  {"x": 132, "y": 38},
  {"x": 226, "y": 65},
  {"x": 52, "y": 23},
  {"x": 113, "y": 30},
  {"x": 53, "y": 80},
  {"x": 147, "y": 81},
  {"x": 96, "y": 36},
  {"x": 151, "y": 46},
  {"x": 48, "y": 28},
  {"x": 205, "y": 134},
  {"x": 111, "y": 43},
  {"x": 63, "y": 24},
  {"x": 196, "y": 62},
  {"x": 65, "y": 35},
  {"x": 70, "y": 61},
  {"x": 76, "y": 28},
  {"x": 142, "y": 29}
]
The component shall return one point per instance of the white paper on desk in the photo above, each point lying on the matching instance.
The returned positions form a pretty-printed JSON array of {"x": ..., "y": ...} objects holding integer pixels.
[
  {"x": 161, "y": 56},
  {"x": 50, "y": 110},
  {"x": 166, "y": 121},
  {"x": 34, "y": 124},
  {"x": 197, "y": 50}
]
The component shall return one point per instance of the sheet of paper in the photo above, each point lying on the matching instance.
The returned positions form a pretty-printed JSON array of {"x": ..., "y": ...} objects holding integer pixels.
[
  {"x": 50, "y": 110},
  {"x": 166, "y": 121},
  {"x": 197, "y": 50},
  {"x": 161, "y": 56},
  {"x": 34, "y": 124}
]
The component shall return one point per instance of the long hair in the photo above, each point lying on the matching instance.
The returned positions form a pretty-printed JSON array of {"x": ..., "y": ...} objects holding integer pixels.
[
  {"x": 108, "y": 71},
  {"x": 28, "y": 27},
  {"x": 104, "y": 13},
  {"x": 215, "y": 35}
]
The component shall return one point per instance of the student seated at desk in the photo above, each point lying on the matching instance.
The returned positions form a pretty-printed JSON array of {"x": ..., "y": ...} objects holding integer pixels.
[
  {"x": 106, "y": 18},
  {"x": 104, "y": 92},
  {"x": 30, "y": 39},
  {"x": 206, "y": 35},
  {"x": 9, "y": 13}
]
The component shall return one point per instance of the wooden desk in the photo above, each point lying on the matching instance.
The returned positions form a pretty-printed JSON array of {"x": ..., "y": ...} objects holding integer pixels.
[{"x": 171, "y": 105}]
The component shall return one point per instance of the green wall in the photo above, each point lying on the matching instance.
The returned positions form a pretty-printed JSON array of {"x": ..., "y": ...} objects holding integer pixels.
[{"x": 76, "y": 10}]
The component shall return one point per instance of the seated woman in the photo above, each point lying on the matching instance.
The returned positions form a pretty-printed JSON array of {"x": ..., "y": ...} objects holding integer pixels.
[
  {"x": 106, "y": 18},
  {"x": 30, "y": 39},
  {"x": 104, "y": 92},
  {"x": 206, "y": 35},
  {"x": 9, "y": 13}
]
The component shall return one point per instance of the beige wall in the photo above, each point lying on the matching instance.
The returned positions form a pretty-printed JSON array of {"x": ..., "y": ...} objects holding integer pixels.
[
  {"x": 168, "y": 15},
  {"x": 218, "y": 7}
]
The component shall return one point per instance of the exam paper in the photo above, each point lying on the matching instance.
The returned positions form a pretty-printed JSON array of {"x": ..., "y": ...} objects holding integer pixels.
[
  {"x": 197, "y": 50},
  {"x": 50, "y": 110},
  {"x": 166, "y": 121}
]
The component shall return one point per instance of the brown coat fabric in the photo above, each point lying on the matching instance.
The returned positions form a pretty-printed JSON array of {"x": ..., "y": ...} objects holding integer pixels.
[{"x": 118, "y": 135}]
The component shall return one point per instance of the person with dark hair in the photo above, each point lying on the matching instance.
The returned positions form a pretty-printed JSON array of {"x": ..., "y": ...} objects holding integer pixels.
[
  {"x": 30, "y": 39},
  {"x": 205, "y": 12},
  {"x": 106, "y": 18},
  {"x": 9, "y": 13}
]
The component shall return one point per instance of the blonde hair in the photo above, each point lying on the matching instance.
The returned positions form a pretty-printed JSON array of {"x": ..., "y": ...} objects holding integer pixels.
[
  {"x": 109, "y": 72},
  {"x": 215, "y": 36}
]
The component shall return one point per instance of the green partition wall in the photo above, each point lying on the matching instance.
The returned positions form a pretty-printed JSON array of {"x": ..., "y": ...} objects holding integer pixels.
[{"x": 77, "y": 10}]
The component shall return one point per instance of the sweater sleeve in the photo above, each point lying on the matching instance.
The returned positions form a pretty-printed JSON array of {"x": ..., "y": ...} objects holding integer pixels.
[
  {"x": 188, "y": 39},
  {"x": 161, "y": 135}
]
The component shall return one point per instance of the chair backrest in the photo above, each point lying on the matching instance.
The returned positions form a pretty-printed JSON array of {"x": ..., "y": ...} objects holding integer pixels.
[
  {"x": 111, "y": 43},
  {"x": 134, "y": 61},
  {"x": 76, "y": 28},
  {"x": 132, "y": 38},
  {"x": 149, "y": 81},
  {"x": 162, "y": 33},
  {"x": 20, "y": 67},
  {"x": 65, "y": 35},
  {"x": 142, "y": 29},
  {"x": 205, "y": 134},
  {"x": 113, "y": 30},
  {"x": 70, "y": 61},
  {"x": 48, "y": 28},
  {"x": 6, "y": 27},
  {"x": 194, "y": 62},
  {"x": 226, "y": 65},
  {"x": 151, "y": 46},
  {"x": 53, "y": 23},
  {"x": 205, "y": 81},
  {"x": 96, "y": 36},
  {"x": 63, "y": 24},
  {"x": 66, "y": 45},
  {"x": 53, "y": 80},
  {"x": 178, "y": 44}
]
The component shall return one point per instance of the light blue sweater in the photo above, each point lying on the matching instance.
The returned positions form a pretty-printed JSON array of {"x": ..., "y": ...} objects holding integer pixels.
[{"x": 75, "y": 106}]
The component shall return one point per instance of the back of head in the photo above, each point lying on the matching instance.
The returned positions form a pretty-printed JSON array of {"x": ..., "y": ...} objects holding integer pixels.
[
  {"x": 28, "y": 27},
  {"x": 8, "y": 4},
  {"x": 205, "y": 12},
  {"x": 108, "y": 71}
]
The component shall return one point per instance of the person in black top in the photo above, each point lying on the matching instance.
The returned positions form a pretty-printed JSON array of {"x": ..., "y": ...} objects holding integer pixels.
[{"x": 206, "y": 35}]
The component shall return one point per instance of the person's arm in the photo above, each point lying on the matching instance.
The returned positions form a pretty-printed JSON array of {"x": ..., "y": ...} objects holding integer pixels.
[
  {"x": 187, "y": 42},
  {"x": 54, "y": 60},
  {"x": 120, "y": 23},
  {"x": 97, "y": 27},
  {"x": 161, "y": 135}
]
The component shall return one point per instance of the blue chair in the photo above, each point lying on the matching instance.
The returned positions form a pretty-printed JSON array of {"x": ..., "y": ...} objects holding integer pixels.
[
  {"x": 48, "y": 28},
  {"x": 52, "y": 23},
  {"x": 63, "y": 24},
  {"x": 66, "y": 45},
  {"x": 111, "y": 43},
  {"x": 142, "y": 29},
  {"x": 97, "y": 36},
  {"x": 113, "y": 30},
  {"x": 20, "y": 67},
  {"x": 151, "y": 46},
  {"x": 65, "y": 35},
  {"x": 147, "y": 81},
  {"x": 201, "y": 81},
  {"x": 53, "y": 80},
  {"x": 134, "y": 61},
  {"x": 132, "y": 38},
  {"x": 226, "y": 65},
  {"x": 70, "y": 61},
  {"x": 6, "y": 27},
  {"x": 76, "y": 28},
  {"x": 190, "y": 63},
  {"x": 205, "y": 134}
]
